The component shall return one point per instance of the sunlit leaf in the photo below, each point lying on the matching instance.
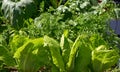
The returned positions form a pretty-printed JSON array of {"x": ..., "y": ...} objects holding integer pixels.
[
  {"x": 103, "y": 58},
  {"x": 54, "y": 48}
]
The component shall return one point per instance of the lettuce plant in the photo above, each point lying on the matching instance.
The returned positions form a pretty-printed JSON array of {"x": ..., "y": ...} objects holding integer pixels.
[
  {"x": 102, "y": 58},
  {"x": 84, "y": 54},
  {"x": 31, "y": 56},
  {"x": 6, "y": 57}
]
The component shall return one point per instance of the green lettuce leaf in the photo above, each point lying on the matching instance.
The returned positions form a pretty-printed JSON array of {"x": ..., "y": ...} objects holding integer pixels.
[
  {"x": 54, "y": 49},
  {"x": 83, "y": 57},
  {"x": 16, "y": 42},
  {"x": 96, "y": 40},
  {"x": 65, "y": 45},
  {"x": 6, "y": 57},
  {"x": 31, "y": 56},
  {"x": 72, "y": 55},
  {"x": 102, "y": 58}
]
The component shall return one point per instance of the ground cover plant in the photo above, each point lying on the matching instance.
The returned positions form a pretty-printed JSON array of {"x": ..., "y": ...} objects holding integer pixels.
[{"x": 58, "y": 36}]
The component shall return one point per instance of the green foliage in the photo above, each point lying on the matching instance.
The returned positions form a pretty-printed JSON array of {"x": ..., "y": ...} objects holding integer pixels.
[
  {"x": 6, "y": 57},
  {"x": 65, "y": 45},
  {"x": 73, "y": 52},
  {"x": 73, "y": 18},
  {"x": 31, "y": 56},
  {"x": 54, "y": 48},
  {"x": 48, "y": 24},
  {"x": 83, "y": 58},
  {"x": 0, "y": 7},
  {"x": 94, "y": 2},
  {"x": 103, "y": 58},
  {"x": 37, "y": 43},
  {"x": 96, "y": 40},
  {"x": 16, "y": 12},
  {"x": 54, "y": 3},
  {"x": 82, "y": 55},
  {"x": 16, "y": 42}
]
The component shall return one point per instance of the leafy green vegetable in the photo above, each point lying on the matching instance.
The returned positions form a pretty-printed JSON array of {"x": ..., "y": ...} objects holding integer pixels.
[
  {"x": 6, "y": 56},
  {"x": 54, "y": 48},
  {"x": 31, "y": 56},
  {"x": 96, "y": 40},
  {"x": 85, "y": 20},
  {"x": 16, "y": 42},
  {"x": 73, "y": 52},
  {"x": 83, "y": 57},
  {"x": 65, "y": 45},
  {"x": 102, "y": 58}
]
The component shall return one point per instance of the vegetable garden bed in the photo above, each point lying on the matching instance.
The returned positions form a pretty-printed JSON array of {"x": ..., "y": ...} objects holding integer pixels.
[{"x": 58, "y": 36}]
